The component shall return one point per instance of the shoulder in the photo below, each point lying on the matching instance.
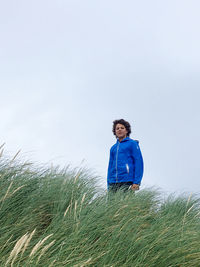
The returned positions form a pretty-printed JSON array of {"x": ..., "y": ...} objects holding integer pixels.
[
  {"x": 113, "y": 147},
  {"x": 134, "y": 143}
]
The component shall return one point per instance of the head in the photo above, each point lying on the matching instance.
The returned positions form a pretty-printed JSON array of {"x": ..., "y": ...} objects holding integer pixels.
[{"x": 121, "y": 128}]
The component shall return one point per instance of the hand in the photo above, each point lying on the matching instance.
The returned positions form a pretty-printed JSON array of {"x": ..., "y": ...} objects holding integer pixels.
[{"x": 135, "y": 187}]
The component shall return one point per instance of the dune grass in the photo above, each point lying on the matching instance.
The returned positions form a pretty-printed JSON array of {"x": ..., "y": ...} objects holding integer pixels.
[{"x": 52, "y": 217}]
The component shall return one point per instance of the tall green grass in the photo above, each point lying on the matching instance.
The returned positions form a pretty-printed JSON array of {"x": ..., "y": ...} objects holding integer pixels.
[{"x": 53, "y": 217}]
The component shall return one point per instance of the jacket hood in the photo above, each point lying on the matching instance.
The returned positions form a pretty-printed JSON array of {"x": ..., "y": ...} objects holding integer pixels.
[{"x": 126, "y": 139}]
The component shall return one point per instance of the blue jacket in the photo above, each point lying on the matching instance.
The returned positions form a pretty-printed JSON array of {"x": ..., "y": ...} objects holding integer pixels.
[{"x": 125, "y": 163}]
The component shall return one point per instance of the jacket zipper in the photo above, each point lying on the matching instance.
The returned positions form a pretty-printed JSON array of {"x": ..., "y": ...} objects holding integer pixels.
[{"x": 116, "y": 163}]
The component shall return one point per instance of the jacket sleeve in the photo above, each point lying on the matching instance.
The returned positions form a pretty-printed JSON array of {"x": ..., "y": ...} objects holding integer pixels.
[
  {"x": 138, "y": 161},
  {"x": 109, "y": 167}
]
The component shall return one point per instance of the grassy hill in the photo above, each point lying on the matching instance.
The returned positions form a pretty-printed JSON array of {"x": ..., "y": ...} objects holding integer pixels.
[{"x": 52, "y": 217}]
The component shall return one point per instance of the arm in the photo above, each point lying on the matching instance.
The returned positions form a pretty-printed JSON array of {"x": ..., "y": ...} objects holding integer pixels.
[
  {"x": 109, "y": 167},
  {"x": 139, "y": 166}
]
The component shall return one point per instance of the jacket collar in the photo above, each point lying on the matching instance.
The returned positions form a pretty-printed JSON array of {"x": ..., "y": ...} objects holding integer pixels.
[{"x": 123, "y": 140}]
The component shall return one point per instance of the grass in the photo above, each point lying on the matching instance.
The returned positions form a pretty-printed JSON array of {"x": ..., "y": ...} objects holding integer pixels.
[{"x": 53, "y": 217}]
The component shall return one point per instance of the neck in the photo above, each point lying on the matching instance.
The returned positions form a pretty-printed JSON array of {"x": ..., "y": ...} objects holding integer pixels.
[{"x": 120, "y": 139}]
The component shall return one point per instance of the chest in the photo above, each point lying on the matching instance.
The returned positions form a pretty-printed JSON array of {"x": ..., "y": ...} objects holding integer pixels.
[{"x": 121, "y": 149}]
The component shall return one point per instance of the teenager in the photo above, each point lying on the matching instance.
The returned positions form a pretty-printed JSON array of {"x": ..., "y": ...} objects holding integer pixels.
[{"x": 125, "y": 169}]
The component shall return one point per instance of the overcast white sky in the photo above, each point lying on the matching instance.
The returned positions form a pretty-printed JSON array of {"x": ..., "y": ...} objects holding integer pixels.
[{"x": 69, "y": 68}]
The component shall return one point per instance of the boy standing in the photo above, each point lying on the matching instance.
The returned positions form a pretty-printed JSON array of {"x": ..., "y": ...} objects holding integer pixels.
[{"x": 125, "y": 169}]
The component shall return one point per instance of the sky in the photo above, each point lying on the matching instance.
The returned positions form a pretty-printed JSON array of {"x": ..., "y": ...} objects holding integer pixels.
[{"x": 69, "y": 68}]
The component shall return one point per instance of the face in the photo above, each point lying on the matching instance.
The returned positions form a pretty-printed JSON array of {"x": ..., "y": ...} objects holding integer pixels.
[{"x": 120, "y": 131}]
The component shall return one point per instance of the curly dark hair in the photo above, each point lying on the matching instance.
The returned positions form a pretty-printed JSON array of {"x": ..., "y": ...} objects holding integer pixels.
[{"x": 123, "y": 122}]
